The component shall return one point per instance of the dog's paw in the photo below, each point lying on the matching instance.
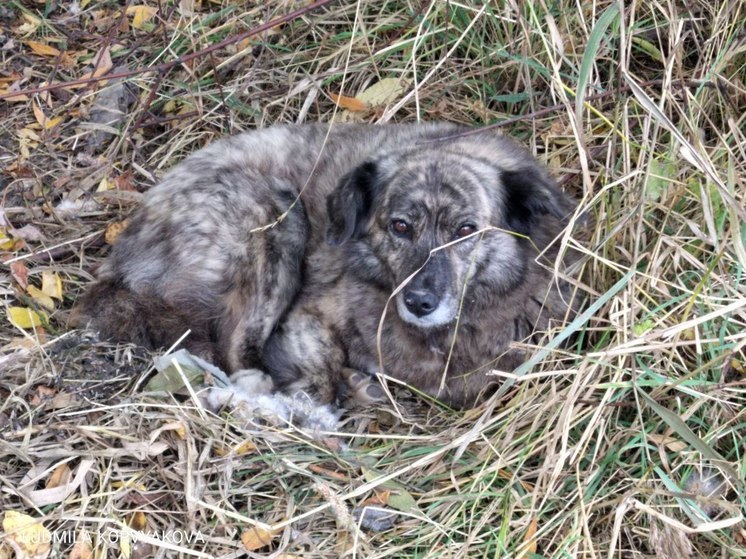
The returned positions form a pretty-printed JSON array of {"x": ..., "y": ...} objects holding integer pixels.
[
  {"x": 245, "y": 389},
  {"x": 365, "y": 389}
]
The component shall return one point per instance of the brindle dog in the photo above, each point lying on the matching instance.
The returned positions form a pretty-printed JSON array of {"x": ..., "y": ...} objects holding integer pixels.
[{"x": 322, "y": 255}]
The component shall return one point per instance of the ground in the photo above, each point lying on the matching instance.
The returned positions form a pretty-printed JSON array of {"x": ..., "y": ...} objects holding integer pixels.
[{"x": 627, "y": 443}]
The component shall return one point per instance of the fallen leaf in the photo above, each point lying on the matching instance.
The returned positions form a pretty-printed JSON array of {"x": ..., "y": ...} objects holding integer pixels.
[
  {"x": 60, "y": 476},
  {"x": 81, "y": 549},
  {"x": 31, "y": 25},
  {"x": 137, "y": 520},
  {"x": 256, "y": 538},
  {"x": 382, "y": 92},
  {"x": 27, "y": 533},
  {"x": 113, "y": 230},
  {"x": 6, "y": 242},
  {"x": 105, "y": 185},
  {"x": 23, "y": 317},
  {"x": 530, "y": 537},
  {"x": 40, "y": 297},
  {"x": 141, "y": 14},
  {"x": 52, "y": 122},
  {"x": 42, "y": 394},
  {"x": 19, "y": 271},
  {"x": 101, "y": 65},
  {"x": 41, "y": 118},
  {"x": 246, "y": 447},
  {"x": 351, "y": 104},
  {"x": 51, "y": 285},
  {"x": 124, "y": 182},
  {"x": 399, "y": 498},
  {"x": 42, "y": 49}
]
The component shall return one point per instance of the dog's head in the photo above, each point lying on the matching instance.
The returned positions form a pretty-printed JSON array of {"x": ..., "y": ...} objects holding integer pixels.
[{"x": 446, "y": 223}]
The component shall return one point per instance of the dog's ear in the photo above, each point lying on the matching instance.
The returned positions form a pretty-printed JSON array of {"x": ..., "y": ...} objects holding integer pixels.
[
  {"x": 351, "y": 204},
  {"x": 529, "y": 194}
]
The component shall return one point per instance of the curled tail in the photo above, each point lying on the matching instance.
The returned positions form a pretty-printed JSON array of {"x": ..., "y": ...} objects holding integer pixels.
[{"x": 120, "y": 314}]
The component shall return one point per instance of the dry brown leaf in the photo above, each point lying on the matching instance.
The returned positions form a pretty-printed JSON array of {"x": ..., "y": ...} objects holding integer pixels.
[
  {"x": 27, "y": 533},
  {"x": 60, "y": 476},
  {"x": 672, "y": 443},
  {"x": 315, "y": 468},
  {"x": 352, "y": 104},
  {"x": 19, "y": 272},
  {"x": 42, "y": 49},
  {"x": 81, "y": 549},
  {"x": 256, "y": 538},
  {"x": 43, "y": 394},
  {"x": 137, "y": 520},
  {"x": 101, "y": 63},
  {"x": 530, "y": 537},
  {"x": 113, "y": 231},
  {"x": 41, "y": 118},
  {"x": 124, "y": 182}
]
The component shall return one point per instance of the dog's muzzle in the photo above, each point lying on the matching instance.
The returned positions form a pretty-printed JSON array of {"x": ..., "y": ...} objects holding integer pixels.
[{"x": 425, "y": 309}]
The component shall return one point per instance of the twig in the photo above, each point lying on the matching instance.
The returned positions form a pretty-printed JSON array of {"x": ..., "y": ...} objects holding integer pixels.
[{"x": 165, "y": 66}]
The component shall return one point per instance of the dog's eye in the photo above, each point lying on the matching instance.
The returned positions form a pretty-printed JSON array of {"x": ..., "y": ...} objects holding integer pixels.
[
  {"x": 401, "y": 228},
  {"x": 465, "y": 230}
]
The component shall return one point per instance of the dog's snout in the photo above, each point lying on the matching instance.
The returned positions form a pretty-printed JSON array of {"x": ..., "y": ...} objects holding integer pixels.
[{"x": 421, "y": 302}]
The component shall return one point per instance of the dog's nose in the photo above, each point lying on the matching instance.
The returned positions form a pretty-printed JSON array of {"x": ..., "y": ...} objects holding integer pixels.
[{"x": 420, "y": 302}]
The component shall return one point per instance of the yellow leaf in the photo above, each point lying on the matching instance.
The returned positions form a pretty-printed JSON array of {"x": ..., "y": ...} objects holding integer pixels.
[
  {"x": 245, "y": 447},
  {"x": 137, "y": 520},
  {"x": 382, "y": 92},
  {"x": 27, "y": 533},
  {"x": 141, "y": 14},
  {"x": 42, "y": 49},
  {"x": 60, "y": 476},
  {"x": 256, "y": 538},
  {"x": 6, "y": 243},
  {"x": 40, "y": 297},
  {"x": 51, "y": 285},
  {"x": 23, "y": 317},
  {"x": 350, "y": 103},
  {"x": 105, "y": 185},
  {"x": 113, "y": 230},
  {"x": 52, "y": 122}
]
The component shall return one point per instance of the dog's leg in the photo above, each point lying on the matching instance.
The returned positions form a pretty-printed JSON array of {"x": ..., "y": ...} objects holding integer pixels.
[
  {"x": 120, "y": 314},
  {"x": 262, "y": 281}
]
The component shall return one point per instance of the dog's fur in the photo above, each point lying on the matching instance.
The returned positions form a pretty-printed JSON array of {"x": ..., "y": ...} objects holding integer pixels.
[{"x": 281, "y": 248}]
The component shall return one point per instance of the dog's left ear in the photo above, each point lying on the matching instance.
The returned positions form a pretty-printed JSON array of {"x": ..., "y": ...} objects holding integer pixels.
[
  {"x": 529, "y": 194},
  {"x": 351, "y": 204}
]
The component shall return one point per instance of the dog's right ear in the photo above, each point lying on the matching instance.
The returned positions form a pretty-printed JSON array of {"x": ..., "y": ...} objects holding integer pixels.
[{"x": 351, "y": 204}]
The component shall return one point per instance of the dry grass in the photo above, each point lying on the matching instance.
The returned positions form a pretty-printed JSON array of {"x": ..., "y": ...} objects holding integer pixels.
[{"x": 609, "y": 448}]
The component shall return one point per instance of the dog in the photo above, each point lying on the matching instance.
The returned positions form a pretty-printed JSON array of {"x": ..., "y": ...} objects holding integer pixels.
[{"x": 325, "y": 255}]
